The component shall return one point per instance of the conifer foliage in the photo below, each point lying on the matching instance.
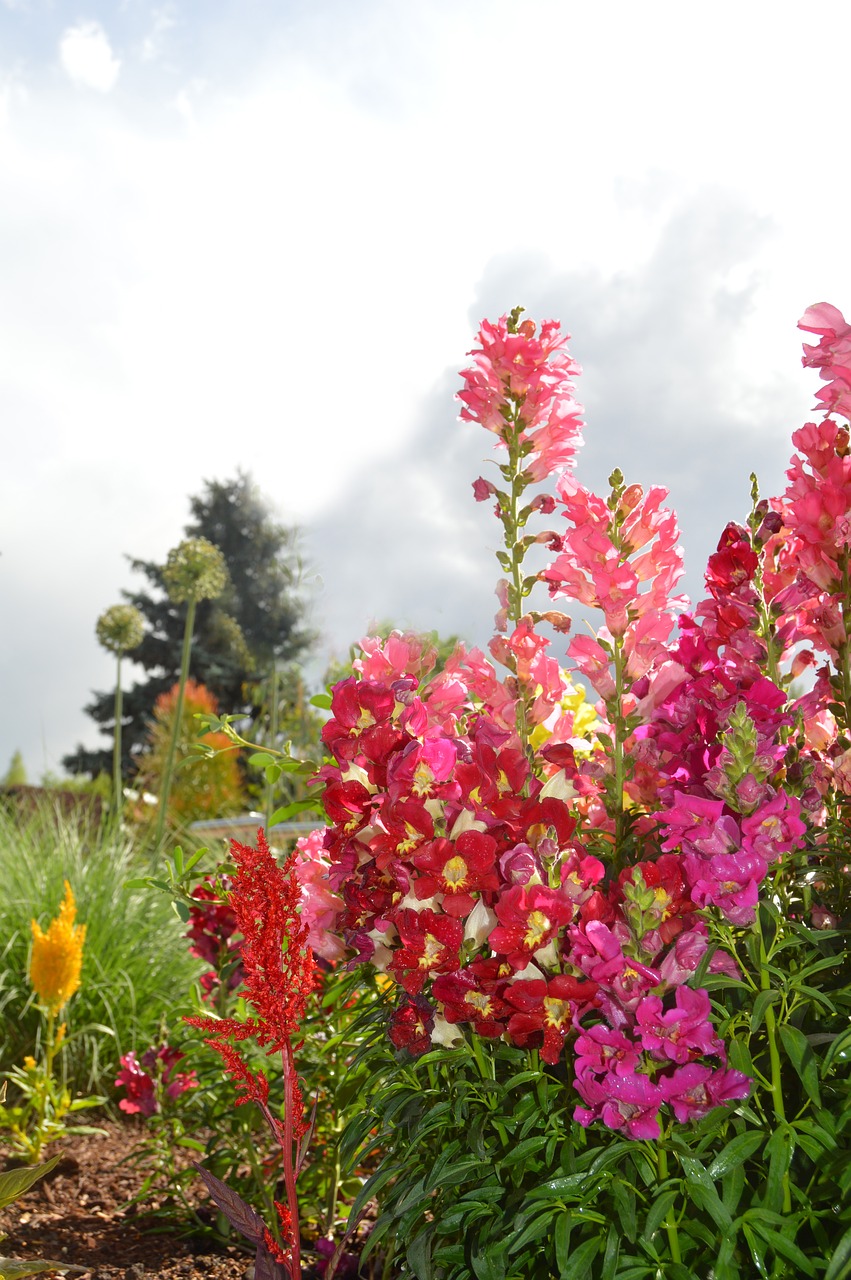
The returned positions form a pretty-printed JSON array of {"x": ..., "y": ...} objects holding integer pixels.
[{"x": 258, "y": 619}]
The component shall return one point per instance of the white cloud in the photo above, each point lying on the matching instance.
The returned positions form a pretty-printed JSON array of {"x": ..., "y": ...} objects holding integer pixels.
[
  {"x": 162, "y": 22},
  {"x": 87, "y": 57}
]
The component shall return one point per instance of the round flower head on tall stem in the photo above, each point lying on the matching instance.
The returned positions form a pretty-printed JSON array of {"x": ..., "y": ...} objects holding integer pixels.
[
  {"x": 119, "y": 629},
  {"x": 195, "y": 570}
]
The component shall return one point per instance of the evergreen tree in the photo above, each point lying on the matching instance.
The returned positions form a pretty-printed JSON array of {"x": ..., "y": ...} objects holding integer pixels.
[
  {"x": 16, "y": 774},
  {"x": 258, "y": 619}
]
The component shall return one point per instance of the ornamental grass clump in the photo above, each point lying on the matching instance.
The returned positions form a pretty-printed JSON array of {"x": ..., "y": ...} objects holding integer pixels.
[{"x": 626, "y": 916}]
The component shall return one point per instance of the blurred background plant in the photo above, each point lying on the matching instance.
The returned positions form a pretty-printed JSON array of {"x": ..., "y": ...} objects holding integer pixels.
[
  {"x": 119, "y": 629},
  {"x": 136, "y": 962},
  {"x": 208, "y": 786},
  {"x": 36, "y": 1115}
]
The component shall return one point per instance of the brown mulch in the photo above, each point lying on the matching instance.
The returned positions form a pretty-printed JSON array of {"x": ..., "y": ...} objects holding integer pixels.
[{"x": 80, "y": 1214}]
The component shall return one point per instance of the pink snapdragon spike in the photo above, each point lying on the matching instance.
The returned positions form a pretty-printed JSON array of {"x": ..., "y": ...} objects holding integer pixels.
[
  {"x": 536, "y": 371},
  {"x": 518, "y": 881}
]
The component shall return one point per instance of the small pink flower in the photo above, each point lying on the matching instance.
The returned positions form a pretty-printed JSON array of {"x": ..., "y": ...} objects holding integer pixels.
[{"x": 139, "y": 1086}]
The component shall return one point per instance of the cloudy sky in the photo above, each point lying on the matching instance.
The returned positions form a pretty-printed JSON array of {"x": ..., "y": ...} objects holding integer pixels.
[{"x": 262, "y": 234}]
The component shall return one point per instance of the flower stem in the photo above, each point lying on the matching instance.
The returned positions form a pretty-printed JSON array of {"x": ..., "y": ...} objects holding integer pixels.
[
  {"x": 289, "y": 1171},
  {"x": 776, "y": 1088},
  {"x": 117, "y": 787},
  {"x": 165, "y": 788},
  {"x": 670, "y": 1216},
  {"x": 618, "y": 728}
]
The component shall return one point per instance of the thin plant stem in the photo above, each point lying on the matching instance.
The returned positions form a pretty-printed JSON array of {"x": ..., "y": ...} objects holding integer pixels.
[
  {"x": 776, "y": 1087},
  {"x": 289, "y": 1171},
  {"x": 117, "y": 787},
  {"x": 670, "y": 1216},
  {"x": 165, "y": 788},
  {"x": 273, "y": 734}
]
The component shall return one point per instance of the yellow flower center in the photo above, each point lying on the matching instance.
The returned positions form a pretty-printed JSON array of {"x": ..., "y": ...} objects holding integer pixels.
[
  {"x": 557, "y": 1011},
  {"x": 431, "y": 951},
  {"x": 537, "y": 927},
  {"x": 455, "y": 873}
]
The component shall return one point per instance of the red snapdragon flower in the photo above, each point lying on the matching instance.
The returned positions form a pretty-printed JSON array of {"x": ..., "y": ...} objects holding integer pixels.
[
  {"x": 546, "y": 1010},
  {"x": 430, "y": 944}
]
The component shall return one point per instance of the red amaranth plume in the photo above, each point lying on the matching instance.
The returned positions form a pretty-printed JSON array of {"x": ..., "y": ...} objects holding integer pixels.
[{"x": 278, "y": 979}]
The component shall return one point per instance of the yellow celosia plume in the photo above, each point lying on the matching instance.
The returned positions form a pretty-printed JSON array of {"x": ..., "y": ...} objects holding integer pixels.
[{"x": 57, "y": 956}]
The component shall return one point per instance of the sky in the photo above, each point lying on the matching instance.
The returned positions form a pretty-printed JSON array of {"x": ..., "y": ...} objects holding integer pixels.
[{"x": 262, "y": 234}]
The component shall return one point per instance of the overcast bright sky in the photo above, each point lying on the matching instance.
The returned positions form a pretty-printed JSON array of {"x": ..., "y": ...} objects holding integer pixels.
[{"x": 262, "y": 233}]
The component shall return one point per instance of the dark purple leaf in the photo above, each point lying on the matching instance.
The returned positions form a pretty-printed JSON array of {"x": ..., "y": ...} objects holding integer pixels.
[
  {"x": 239, "y": 1214},
  {"x": 268, "y": 1268}
]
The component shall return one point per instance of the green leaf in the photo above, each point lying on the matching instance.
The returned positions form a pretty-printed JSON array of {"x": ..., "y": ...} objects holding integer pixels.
[
  {"x": 702, "y": 1191},
  {"x": 757, "y": 1251},
  {"x": 611, "y": 1256},
  {"x": 522, "y": 1150},
  {"x": 579, "y": 1260},
  {"x": 564, "y": 1225},
  {"x": 418, "y": 1253},
  {"x": 657, "y": 1213},
  {"x": 736, "y": 1152},
  {"x": 260, "y": 760},
  {"x": 839, "y": 1265},
  {"x": 763, "y": 1000},
  {"x": 801, "y": 1056},
  {"x": 623, "y": 1194},
  {"x": 17, "y": 1182},
  {"x": 785, "y": 1247},
  {"x": 559, "y": 1188},
  {"x": 840, "y": 1048},
  {"x": 288, "y": 811},
  {"x": 779, "y": 1149},
  {"x": 13, "y": 1268},
  {"x": 321, "y": 700}
]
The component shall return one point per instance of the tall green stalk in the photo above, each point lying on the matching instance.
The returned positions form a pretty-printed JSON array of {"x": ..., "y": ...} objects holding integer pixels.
[
  {"x": 117, "y": 784},
  {"x": 118, "y": 629},
  {"x": 165, "y": 787},
  {"x": 273, "y": 734},
  {"x": 195, "y": 570}
]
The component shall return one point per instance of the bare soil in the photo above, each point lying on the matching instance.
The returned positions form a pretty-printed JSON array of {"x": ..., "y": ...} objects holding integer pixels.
[{"x": 82, "y": 1213}]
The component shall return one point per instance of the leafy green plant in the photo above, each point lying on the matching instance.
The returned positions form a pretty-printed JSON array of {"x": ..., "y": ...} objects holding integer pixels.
[{"x": 135, "y": 964}]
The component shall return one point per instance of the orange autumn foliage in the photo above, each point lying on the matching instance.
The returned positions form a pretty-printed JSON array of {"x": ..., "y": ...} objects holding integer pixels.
[{"x": 203, "y": 787}]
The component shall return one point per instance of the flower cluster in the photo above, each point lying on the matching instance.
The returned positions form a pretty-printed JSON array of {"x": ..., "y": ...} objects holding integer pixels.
[
  {"x": 517, "y": 881},
  {"x": 463, "y": 877},
  {"x": 214, "y": 938},
  {"x": 148, "y": 1082},
  {"x": 57, "y": 956},
  {"x": 515, "y": 369}
]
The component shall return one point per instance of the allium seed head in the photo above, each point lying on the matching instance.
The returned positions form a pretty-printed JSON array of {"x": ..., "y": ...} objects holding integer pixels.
[
  {"x": 120, "y": 628},
  {"x": 195, "y": 570}
]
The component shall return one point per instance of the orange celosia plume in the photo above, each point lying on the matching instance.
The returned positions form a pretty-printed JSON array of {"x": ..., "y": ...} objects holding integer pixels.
[{"x": 57, "y": 956}]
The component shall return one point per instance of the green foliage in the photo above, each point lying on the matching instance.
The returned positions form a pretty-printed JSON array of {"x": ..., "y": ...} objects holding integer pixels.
[
  {"x": 135, "y": 962},
  {"x": 16, "y": 774},
  {"x": 42, "y": 1103},
  {"x": 483, "y": 1174}
]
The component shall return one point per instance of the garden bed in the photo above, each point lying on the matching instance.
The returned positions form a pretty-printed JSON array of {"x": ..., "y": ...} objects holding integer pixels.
[{"x": 80, "y": 1214}]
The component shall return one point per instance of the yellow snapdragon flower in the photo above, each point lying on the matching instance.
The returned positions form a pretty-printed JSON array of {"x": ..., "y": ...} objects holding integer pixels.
[{"x": 57, "y": 956}]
